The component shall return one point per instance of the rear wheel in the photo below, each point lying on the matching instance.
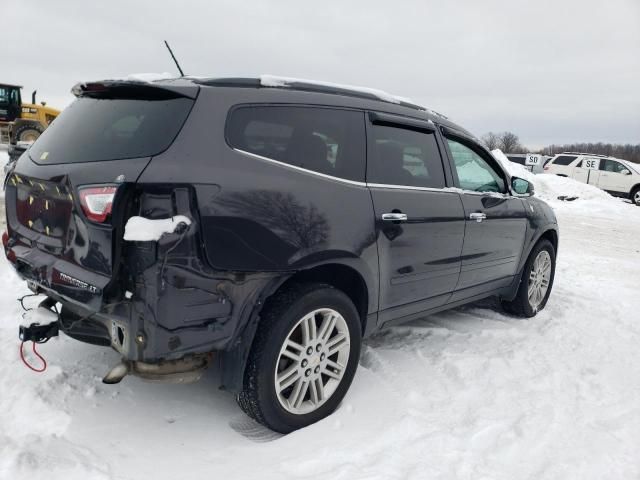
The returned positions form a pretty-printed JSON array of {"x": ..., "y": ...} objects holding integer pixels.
[
  {"x": 635, "y": 196},
  {"x": 536, "y": 283},
  {"x": 28, "y": 133},
  {"x": 303, "y": 358}
]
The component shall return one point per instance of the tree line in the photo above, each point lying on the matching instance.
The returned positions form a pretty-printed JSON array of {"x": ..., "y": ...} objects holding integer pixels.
[{"x": 509, "y": 142}]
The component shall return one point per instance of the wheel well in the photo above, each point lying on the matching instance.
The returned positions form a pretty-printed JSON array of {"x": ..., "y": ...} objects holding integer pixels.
[
  {"x": 552, "y": 236},
  {"x": 342, "y": 277},
  {"x": 636, "y": 186}
]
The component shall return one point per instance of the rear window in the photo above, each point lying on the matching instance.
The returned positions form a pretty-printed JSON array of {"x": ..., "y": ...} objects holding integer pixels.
[
  {"x": 95, "y": 129},
  {"x": 324, "y": 140},
  {"x": 519, "y": 160},
  {"x": 564, "y": 160}
]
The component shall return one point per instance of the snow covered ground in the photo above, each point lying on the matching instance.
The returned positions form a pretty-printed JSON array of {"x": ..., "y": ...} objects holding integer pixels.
[{"x": 466, "y": 394}]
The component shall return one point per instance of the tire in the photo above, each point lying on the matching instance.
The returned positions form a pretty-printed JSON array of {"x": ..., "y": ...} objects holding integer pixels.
[
  {"x": 27, "y": 133},
  {"x": 283, "y": 320},
  {"x": 523, "y": 305},
  {"x": 635, "y": 196}
]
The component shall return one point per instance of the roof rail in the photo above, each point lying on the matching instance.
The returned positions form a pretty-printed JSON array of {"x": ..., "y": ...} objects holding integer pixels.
[
  {"x": 584, "y": 153},
  {"x": 268, "y": 81}
]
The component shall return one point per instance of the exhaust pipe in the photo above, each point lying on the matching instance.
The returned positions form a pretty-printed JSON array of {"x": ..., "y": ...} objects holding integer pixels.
[
  {"x": 188, "y": 369},
  {"x": 33, "y": 96}
]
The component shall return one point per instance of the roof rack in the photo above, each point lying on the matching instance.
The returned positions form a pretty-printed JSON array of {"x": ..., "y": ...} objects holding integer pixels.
[
  {"x": 583, "y": 153},
  {"x": 268, "y": 81}
]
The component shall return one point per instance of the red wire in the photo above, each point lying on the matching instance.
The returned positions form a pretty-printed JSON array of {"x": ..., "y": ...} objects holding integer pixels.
[{"x": 44, "y": 362}]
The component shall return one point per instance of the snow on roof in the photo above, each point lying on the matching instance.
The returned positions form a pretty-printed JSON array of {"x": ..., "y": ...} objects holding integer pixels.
[
  {"x": 276, "y": 81},
  {"x": 149, "y": 77}
]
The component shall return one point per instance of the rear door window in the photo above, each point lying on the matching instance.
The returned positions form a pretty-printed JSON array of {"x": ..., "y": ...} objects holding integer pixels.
[
  {"x": 96, "y": 129},
  {"x": 564, "y": 160},
  {"x": 323, "y": 140},
  {"x": 404, "y": 157}
]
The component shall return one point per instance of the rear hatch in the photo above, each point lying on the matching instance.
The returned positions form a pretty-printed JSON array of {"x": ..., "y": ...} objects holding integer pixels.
[{"x": 67, "y": 196}]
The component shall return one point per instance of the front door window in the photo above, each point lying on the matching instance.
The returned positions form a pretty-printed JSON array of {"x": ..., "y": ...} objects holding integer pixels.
[{"x": 474, "y": 172}]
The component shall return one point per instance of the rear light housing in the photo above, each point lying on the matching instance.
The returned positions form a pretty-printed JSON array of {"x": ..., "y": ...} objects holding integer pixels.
[{"x": 97, "y": 202}]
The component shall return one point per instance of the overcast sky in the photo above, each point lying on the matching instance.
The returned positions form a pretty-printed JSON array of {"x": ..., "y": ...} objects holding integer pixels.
[{"x": 550, "y": 71}]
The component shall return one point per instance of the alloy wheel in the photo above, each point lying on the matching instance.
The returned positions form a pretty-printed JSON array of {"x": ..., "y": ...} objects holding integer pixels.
[
  {"x": 539, "y": 279},
  {"x": 312, "y": 361}
]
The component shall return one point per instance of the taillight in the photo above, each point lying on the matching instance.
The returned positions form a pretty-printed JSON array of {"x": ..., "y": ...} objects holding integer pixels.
[
  {"x": 5, "y": 239},
  {"x": 546, "y": 167},
  {"x": 97, "y": 202}
]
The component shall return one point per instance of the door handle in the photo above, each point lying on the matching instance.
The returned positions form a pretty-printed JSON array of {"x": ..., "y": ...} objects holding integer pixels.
[
  {"x": 394, "y": 217},
  {"x": 477, "y": 216}
]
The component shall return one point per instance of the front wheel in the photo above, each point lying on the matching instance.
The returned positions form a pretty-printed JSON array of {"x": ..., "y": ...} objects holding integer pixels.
[
  {"x": 303, "y": 358},
  {"x": 635, "y": 196},
  {"x": 536, "y": 283}
]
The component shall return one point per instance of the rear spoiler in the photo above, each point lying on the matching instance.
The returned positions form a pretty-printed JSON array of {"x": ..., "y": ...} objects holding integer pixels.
[{"x": 136, "y": 89}]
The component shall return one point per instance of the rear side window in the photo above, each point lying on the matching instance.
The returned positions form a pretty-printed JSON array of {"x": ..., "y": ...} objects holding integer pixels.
[
  {"x": 564, "y": 160},
  {"x": 405, "y": 157},
  {"x": 95, "y": 129},
  {"x": 324, "y": 140}
]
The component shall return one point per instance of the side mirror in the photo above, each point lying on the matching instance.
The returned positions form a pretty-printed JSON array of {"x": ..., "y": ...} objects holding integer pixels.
[
  {"x": 625, "y": 172},
  {"x": 522, "y": 187}
]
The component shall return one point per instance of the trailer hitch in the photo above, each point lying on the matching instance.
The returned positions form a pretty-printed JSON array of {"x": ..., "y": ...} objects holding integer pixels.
[
  {"x": 38, "y": 333},
  {"x": 44, "y": 324}
]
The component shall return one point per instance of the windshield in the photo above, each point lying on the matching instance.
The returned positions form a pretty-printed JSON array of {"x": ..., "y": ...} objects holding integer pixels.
[{"x": 94, "y": 129}]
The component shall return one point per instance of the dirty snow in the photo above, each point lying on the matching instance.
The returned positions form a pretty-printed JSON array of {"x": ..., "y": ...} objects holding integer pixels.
[
  {"x": 466, "y": 394},
  {"x": 140, "y": 229}
]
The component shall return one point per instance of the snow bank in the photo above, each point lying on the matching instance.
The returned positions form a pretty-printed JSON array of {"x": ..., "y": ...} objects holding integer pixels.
[
  {"x": 549, "y": 187},
  {"x": 140, "y": 229}
]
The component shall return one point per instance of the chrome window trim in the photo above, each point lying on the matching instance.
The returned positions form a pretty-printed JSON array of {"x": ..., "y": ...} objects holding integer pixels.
[
  {"x": 410, "y": 187},
  {"x": 365, "y": 184},
  {"x": 301, "y": 169}
]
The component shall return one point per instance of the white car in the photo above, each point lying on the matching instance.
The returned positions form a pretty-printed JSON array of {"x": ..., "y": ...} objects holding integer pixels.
[{"x": 618, "y": 177}]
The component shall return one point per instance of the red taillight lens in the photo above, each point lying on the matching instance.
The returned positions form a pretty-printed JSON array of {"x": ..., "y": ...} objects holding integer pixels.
[
  {"x": 97, "y": 202},
  {"x": 5, "y": 239}
]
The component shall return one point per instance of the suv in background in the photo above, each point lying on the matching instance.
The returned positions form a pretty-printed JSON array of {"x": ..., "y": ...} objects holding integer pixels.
[
  {"x": 267, "y": 224},
  {"x": 618, "y": 177}
]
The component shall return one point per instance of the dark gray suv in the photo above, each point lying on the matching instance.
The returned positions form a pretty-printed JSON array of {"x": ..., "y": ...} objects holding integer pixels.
[{"x": 265, "y": 226}]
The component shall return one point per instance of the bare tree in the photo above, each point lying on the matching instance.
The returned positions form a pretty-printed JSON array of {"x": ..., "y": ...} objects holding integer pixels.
[
  {"x": 491, "y": 140},
  {"x": 509, "y": 142}
]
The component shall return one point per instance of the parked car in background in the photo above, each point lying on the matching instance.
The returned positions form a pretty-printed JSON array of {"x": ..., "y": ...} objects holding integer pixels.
[
  {"x": 618, "y": 177},
  {"x": 291, "y": 219},
  {"x": 531, "y": 161}
]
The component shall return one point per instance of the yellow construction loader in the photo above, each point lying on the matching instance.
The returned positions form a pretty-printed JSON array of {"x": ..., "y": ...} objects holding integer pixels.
[{"x": 22, "y": 122}]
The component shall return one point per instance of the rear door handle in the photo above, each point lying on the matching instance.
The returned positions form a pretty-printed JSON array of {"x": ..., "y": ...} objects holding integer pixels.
[
  {"x": 394, "y": 217},
  {"x": 477, "y": 216}
]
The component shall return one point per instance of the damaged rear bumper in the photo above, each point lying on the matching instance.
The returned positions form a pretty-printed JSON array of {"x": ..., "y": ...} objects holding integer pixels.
[{"x": 166, "y": 316}]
